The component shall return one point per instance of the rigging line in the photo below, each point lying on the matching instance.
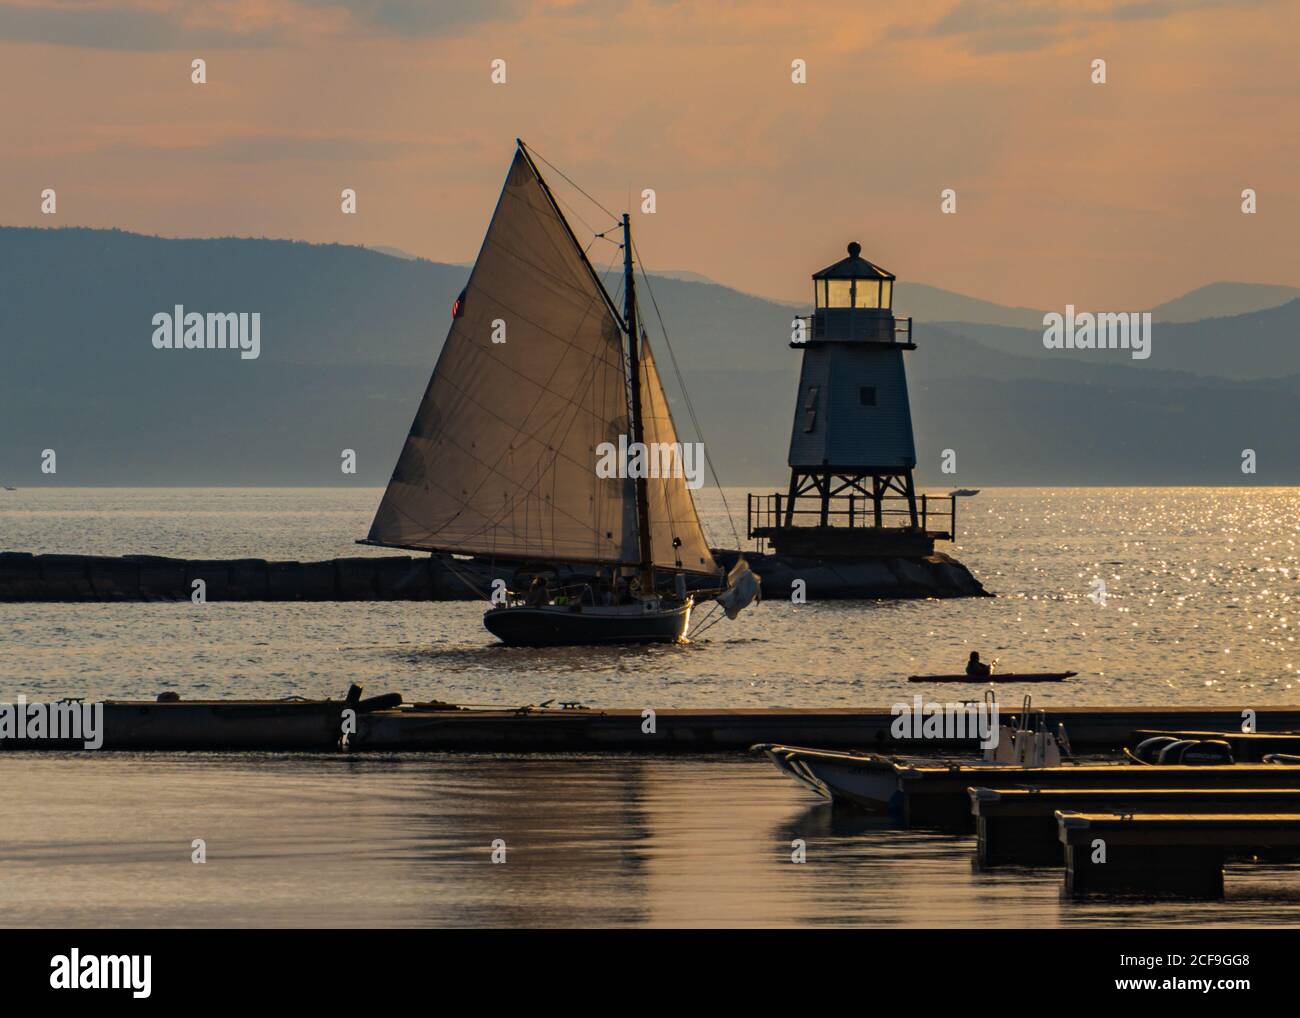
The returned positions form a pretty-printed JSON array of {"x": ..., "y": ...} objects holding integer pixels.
[
  {"x": 559, "y": 215},
  {"x": 573, "y": 209},
  {"x": 667, "y": 419},
  {"x": 565, "y": 285},
  {"x": 664, "y": 489},
  {"x": 578, "y": 215},
  {"x": 706, "y": 623},
  {"x": 690, "y": 407},
  {"x": 582, "y": 322},
  {"x": 447, "y": 561},
  {"x": 548, "y": 473},
  {"x": 492, "y": 522},
  {"x": 572, "y": 183},
  {"x": 572, "y": 347}
]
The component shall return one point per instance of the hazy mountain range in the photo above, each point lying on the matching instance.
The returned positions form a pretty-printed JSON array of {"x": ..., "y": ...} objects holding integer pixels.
[{"x": 350, "y": 334}]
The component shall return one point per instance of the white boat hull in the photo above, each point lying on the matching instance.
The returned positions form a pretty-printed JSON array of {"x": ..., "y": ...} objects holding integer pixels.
[{"x": 867, "y": 782}]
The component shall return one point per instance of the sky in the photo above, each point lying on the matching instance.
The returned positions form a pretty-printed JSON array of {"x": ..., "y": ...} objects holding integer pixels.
[{"x": 1114, "y": 196}]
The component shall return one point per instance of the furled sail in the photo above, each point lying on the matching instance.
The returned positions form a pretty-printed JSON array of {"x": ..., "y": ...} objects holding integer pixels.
[
  {"x": 501, "y": 457},
  {"x": 677, "y": 540}
]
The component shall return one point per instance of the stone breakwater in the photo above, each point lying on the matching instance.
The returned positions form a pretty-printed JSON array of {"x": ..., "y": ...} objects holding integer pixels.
[{"x": 28, "y": 577}]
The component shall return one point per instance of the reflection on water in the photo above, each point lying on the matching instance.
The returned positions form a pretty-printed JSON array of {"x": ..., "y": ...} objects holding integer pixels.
[
  {"x": 406, "y": 840},
  {"x": 1201, "y": 592},
  {"x": 1201, "y": 589}
]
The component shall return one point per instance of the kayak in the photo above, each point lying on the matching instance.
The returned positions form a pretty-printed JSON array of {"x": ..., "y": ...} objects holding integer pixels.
[{"x": 996, "y": 677}]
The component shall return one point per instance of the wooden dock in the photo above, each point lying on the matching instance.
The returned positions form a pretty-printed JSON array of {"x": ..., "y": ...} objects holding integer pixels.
[
  {"x": 1018, "y": 826},
  {"x": 704, "y": 730},
  {"x": 939, "y": 797},
  {"x": 292, "y": 725},
  {"x": 1166, "y": 854}
]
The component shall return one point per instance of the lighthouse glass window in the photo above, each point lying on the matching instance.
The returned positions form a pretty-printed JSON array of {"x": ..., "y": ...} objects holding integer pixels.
[
  {"x": 868, "y": 293},
  {"x": 839, "y": 293}
]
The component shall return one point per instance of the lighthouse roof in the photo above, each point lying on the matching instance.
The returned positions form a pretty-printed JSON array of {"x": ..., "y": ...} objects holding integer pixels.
[{"x": 854, "y": 267}]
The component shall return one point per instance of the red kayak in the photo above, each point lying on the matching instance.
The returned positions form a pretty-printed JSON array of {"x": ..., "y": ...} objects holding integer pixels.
[{"x": 996, "y": 677}]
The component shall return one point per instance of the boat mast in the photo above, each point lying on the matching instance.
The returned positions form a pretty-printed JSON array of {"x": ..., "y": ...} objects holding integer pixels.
[{"x": 646, "y": 565}]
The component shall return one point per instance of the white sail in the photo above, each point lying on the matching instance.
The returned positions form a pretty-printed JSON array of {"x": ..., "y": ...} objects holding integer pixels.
[
  {"x": 500, "y": 460},
  {"x": 677, "y": 540}
]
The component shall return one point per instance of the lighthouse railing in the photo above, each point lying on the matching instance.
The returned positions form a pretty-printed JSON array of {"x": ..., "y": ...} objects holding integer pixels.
[
  {"x": 865, "y": 330},
  {"x": 765, "y": 513}
]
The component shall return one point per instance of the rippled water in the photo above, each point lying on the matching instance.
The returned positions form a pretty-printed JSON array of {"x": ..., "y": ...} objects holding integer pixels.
[
  {"x": 1200, "y": 608},
  {"x": 404, "y": 841}
]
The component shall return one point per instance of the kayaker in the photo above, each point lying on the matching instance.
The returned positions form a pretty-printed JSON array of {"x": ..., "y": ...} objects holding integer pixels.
[{"x": 976, "y": 667}]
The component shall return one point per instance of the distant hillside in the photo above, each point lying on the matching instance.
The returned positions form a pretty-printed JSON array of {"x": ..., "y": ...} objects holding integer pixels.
[
  {"x": 1218, "y": 300},
  {"x": 930, "y": 304},
  {"x": 349, "y": 336},
  {"x": 396, "y": 252},
  {"x": 1257, "y": 345}
]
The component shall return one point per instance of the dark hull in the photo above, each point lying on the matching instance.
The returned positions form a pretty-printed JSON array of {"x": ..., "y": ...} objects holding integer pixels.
[
  {"x": 559, "y": 626},
  {"x": 996, "y": 677}
]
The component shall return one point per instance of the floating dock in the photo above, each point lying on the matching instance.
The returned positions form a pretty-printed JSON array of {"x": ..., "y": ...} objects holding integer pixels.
[
  {"x": 939, "y": 797},
  {"x": 1166, "y": 854},
  {"x": 300, "y": 725},
  {"x": 1018, "y": 826}
]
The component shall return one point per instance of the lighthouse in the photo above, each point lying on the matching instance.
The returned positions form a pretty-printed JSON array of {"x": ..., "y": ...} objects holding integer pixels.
[{"x": 851, "y": 492}]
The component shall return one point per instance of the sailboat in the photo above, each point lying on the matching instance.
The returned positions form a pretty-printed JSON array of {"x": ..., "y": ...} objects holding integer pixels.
[{"x": 540, "y": 369}]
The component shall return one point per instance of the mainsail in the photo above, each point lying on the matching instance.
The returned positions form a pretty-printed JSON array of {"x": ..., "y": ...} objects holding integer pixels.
[{"x": 501, "y": 458}]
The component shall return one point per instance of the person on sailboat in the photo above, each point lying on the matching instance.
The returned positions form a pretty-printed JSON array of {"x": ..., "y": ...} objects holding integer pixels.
[
  {"x": 621, "y": 593},
  {"x": 977, "y": 668},
  {"x": 602, "y": 592},
  {"x": 538, "y": 595}
]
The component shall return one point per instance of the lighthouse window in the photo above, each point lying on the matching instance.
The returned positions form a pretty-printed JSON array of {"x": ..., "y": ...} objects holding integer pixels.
[
  {"x": 867, "y": 395},
  {"x": 810, "y": 410},
  {"x": 839, "y": 293},
  {"x": 868, "y": 295}
]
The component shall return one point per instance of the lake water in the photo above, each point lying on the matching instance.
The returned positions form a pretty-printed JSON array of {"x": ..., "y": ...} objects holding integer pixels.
[
  {"x": 1200, "y": 608},
  {"x": 404, "y": 841}
]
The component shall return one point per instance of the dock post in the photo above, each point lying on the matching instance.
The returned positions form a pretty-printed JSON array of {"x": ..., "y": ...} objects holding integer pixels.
[
  {"x": 1098, "y": 864},
  {"x": 1006, "y": 839}
]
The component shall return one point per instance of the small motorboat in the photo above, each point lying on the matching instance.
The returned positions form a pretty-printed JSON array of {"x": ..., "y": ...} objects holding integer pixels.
[
  {"x": 1167, "y": 750},
  {"x": 963, "y": 493},
  {"x": 997, "y": 677},
  {"x": 937, "y": 792},
  {"x": 870, "y": 781},
  {"x": 657, "y": 620},
  {"x": 1148, "y": 745}
]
